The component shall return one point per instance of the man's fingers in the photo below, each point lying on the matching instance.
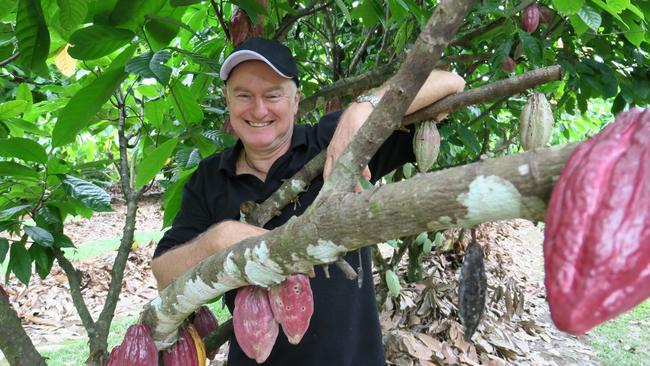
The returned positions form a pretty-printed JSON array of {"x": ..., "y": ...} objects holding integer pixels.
[{"x": 366, "y": 173}]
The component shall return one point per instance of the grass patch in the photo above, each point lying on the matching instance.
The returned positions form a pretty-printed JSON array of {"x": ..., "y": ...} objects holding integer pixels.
[
  {"x": 98, "y": 247},
  {"x": 625, "y": 341}
]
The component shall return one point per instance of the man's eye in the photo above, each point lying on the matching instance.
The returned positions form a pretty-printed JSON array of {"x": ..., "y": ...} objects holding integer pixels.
[{"x": 273, "y": 97}]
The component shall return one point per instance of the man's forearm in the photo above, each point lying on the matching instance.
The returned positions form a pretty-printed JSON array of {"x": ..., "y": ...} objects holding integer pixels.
[{"x": 173, "y": 263}]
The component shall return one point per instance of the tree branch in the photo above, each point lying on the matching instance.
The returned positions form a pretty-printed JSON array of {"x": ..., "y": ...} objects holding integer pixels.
[
  {"x": 9, "y": 59},
  {"x": 75, "y": 290},
  {"x": 289, "y": 19},
  {"x": 15, "y": 344}
]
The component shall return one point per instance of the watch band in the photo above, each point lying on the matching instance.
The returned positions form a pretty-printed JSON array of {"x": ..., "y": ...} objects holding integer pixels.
[{"x": 370, "y": 98}]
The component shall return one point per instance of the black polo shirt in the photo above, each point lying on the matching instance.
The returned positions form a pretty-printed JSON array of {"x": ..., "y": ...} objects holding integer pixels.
[{"x": 344, "y": 329}]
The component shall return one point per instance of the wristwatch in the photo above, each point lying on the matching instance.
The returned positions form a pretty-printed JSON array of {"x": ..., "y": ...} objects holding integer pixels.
[{"x": 370, "y": 98}]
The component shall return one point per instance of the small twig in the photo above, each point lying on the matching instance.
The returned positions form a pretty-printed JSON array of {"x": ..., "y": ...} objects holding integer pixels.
[
  {"x": 360, "y": 51},
  {"x": 9, "y": 59},
  {"x": 346, "y": 268},
  {"x": 219, "y": 14},
  {"x": 288, "y": 21}
]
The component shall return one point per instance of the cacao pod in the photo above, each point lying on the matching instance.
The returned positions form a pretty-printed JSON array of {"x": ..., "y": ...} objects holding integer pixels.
[
  {"x": 241, "y": 28},
  {"x": 536, "y": 122},
  {"x": 508, "y": 64},
  {"x": 530, "y": 18},
  {"x": 205, "y": 323},
  {"x": 426, "y": 145},
  {"x": 472, "y": 289},
  {"x": 597, "y": 232},
  {"x": 545, "y": 15},
  {"x": 183, "y": 352},
  {"x": 255, "y": 327},
  {"x": 137, "y": 348},
  {"x": 292, "y": 303},
  {"x": 332, "y": 105},
  {"x": 198, "y": 344}
]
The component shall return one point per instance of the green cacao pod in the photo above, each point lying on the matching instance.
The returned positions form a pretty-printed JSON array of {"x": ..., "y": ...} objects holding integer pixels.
[
  {"x": 597, "y": 231},
  {"x": 137, "y": 348},
  {"x": 292, "y": 303},
  {"x": 255, "y": 326},
  {"x": 536, "y": 122},
  {"x": 426, "y": 145}
]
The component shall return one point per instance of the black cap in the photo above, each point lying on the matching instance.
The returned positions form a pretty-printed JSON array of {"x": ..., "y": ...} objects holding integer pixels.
[{"x": 274, "y": 54}]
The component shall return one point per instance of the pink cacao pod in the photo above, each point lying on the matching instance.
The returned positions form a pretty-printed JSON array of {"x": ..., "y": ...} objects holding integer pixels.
[
  {"x": 292, "y": 302},
  {"x": 536, "y": 122},
  {"x": 426, "y": 145},
  {"x": 508, "y": 64},
  {"x": 597, "y": 234},
  {"x": 545, "y": 15},
  {"x": 530, "y": 18},
  {"x": 137, "y": 348},
  {"x": 205, "y": 323},
  {"x": 241, "y": 28},
  {"x": 255, "y": 327},
  {"x": 332, "y": 105},
  {"x": 183, "y": 352}
]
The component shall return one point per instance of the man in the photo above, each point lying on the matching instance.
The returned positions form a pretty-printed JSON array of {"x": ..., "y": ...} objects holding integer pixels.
[{"x": 262, "y": 97}]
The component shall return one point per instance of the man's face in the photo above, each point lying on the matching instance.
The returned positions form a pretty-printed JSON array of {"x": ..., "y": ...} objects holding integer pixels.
[{"x": 262, "y": 105}]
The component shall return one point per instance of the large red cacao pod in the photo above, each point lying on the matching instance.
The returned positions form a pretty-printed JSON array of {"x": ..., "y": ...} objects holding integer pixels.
[
  {"x": 530, "y": 18},
  {"x": 255, "y": 327},
  {"x": 536, "y": 122},
  {"x": 292, "y": 302},
  {"x": 137, "y": 348},
  {"x": 597, "y": 234},
  {"x": 205, "y": 323},
  {"x": 332, "y": 105},
  {"x": 241, "y": 27},
  {"x": 426, "y": 145},
  {"x": 183, "y": 352}
]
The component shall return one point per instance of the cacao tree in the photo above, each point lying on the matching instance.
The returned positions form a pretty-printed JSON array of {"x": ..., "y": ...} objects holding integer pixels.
[{"x": 97, "y": 92}]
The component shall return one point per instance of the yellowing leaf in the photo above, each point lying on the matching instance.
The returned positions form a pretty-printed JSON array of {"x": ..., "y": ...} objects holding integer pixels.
[{"x": 66, "y": 64}]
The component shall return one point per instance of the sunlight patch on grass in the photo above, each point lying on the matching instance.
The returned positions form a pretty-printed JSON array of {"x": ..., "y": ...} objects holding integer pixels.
[{"x": 98, "y": 247}]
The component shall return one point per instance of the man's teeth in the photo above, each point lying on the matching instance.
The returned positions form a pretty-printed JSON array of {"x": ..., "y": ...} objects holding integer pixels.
[{"x": 258, "y": 124}]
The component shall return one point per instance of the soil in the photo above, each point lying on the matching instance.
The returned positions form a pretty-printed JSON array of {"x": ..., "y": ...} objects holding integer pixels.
[{"x": 516, "y": 334}]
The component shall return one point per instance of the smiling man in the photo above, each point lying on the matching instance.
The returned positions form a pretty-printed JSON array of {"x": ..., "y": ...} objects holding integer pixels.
[{"x": 262, "y": 96}]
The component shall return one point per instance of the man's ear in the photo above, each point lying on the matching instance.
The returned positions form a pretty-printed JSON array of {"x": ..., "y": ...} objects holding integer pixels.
[{"x": 296, "y": 101}]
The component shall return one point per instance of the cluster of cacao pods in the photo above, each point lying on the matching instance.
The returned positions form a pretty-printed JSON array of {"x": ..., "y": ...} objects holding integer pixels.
[
  {"x": 536, "y": 122},
  {"x": 188, "y": 350},
  {"x": 137, "y": 348},
  {"x": 205, "y": 323},
  {"x": 241, "y": 27},
  {"x": 259, "y": 313},
  {"x": 426, "y": 145},
  {"x": 535, "y": 14},
  {"x": 597, "y": 232}
]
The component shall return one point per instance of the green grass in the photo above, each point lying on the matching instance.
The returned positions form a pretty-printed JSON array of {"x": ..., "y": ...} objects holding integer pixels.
[
  {"x": 98, "y": 247},
  {"x": 625, "y": 341}
]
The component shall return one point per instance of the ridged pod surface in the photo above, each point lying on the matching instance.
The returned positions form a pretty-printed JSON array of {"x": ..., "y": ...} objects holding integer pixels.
[
  {"x": 597, "y": 232},
  {"x": 255, "y": 327},
  {"x": 536, "y": 122},
  {"x": 426, "y": 145},
  {"x": 205, "y": 323},
  {"x": 292, "y": 302},
  {"x": 137, "y": 348},
  {"x": 530, "y": 18},
  {"x": 183, "y": 352}
]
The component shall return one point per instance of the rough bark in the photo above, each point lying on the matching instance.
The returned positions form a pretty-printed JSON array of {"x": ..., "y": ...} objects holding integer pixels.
[{"x": 15, "y": 344}]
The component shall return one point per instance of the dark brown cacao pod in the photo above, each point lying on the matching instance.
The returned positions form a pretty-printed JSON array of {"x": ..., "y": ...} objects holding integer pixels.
[
  {"x": 255, "y": 327},
  {"x": 530, "y": 18},
  {"x": 472, "y": 289},
  {"x": 597, "y": 232},
  {"x": 508, "y": 64},
  {"x": 426, "y": 145},
  {"x": 536, "y": 122},
  {"x": 292, "y": 302},
  {"x": 205, "y": 323},
  {"x": 545, "y": 15},
  {"x": 183, "y": 352},
  {"x": 137, "y": 348}
]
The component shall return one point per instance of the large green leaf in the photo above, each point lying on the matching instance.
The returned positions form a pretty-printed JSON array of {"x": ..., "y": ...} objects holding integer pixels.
[
  {"x": 173, "y": 196},
  {"x": 89, "y": 194},
  {"x": 72, "y": 13},
  {"x": 11, "y": 169},
  {"x": 97, "y": 40},
  {"x": 43, "y": 259},
  {"x": 154, "y": 112},
  {"x": 88, "y": 101},
  {"x": 130, "y": 14},
  {"x": 568, "y": 7},
  {"x": 184, "y": 2},
  {"x": 12, "y": 108},
  {"x": 23, "y": 93},
  {"x": 21, "y": 148},
  {"x": 20, "y": 263},
  {"x": 147, "y": 169},
  {"x": 532, "y": 47},
  {"x": 4, "y": 248},
  {"x": 151, "y": 65},
  {"x": 39, "y": 235},
  {"x": 591, "y": 17},
  {"x": 8, "y": 213},
  {"x": 33, "y": 36},
  {"x": 187, "y": 109},
  {"x": 26, "y": 126}
]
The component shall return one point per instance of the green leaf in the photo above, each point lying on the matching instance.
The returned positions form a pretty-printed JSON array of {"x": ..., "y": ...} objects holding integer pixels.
[
  {"x": 20, "y": 263},
  {"x": 427, "y": 246},
  {"x": 89, "y": 194},
  {"x": 421, "y": 238},
  {"x": 4, "y": 248},
  {"x": 398, "y": 10},
  {"x": 22, "y": 148},
  {"x": 344, "y": 10},
  {"x": 568, "y": 7},
  {"x": 173, "y": 196},
  {"x": 590, "y": 17},
  {"x": 12, "y": 108},
  {"x": 39, "y": 235},
  {"x": 608, "y": 9},
  {"x": 11, "y": 169},
  {"x": 8, "y": 213},
  {"x": 23, "y": 93},
  {"x": 21, "y": 124},
  {"x": 96, "y": 41},
  {"x": 532, "y": 47},
  {"x": 154, "y": 112},
  {"x": 187, "y": 110},
  {"x": 147, "y": 169},
  {"x": 33, "y": 36},
  {"x": 150, "y": 65},
  {"x": 43, "y": 259},
  {"x": 469, "y": 138},
  {"x": 184, "y": 2},
  {"x": 636, "y": 33},
  {"x": 72, "y": 13},
  {"x": 57, "y": 166},
  {"x": 392, "y": 281},
  {"x": 578, "y": 25},
  {"x": 439, "y": 239},
  {"x": 83, "y": 106},
  {"x": 369, "y": 11},
  {"x": 252, "y": 8}
]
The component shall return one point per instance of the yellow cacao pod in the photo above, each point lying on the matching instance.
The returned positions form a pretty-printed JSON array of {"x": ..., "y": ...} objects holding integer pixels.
[
  {"x": 536, "y": 122},
  {"x": 426, "y": 145},
  {"x": 198, "y": 343}
]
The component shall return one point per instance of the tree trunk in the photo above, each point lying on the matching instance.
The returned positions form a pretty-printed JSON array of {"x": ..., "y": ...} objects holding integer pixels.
[{"x": 15, "y": 344}]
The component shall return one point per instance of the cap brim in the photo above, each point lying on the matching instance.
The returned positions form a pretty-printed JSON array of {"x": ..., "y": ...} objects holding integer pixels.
[{"x": 244, "y": 55}]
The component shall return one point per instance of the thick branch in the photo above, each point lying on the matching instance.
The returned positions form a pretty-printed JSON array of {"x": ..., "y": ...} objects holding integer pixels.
[
  {"x": 504, "y": 188},
  {"x": 74, "y": 281},
  {"x": 15, "y": 344}
]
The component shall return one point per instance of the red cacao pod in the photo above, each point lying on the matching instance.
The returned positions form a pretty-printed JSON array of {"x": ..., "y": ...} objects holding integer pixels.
[
  {"x": 292, "y": 302},
  {"x": 426, "y": 145},
  {"x": 205, "y": 323},
  {"x": 137, "y": 348},
  {"x": 255, "y": 327},
  {"x": 332, "y": 105},
  {"x": 241, "y": 28},
  {"x": 597, "y": 233},
  {"x": 545, "y": 15},
  {"x": 536, "y": 122},
  {"x": 530, "y": 18},
  {"x": 183, "y": 352},
  {"x": 508, "y": 64}
]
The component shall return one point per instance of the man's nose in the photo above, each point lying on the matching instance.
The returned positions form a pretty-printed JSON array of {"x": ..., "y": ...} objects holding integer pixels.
[{"x": 259, "y": 108}]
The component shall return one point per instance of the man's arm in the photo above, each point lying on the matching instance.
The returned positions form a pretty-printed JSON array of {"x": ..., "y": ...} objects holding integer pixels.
[
  {"x": 173, "y": 263},
  {"x": 438, "y": 85}
]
